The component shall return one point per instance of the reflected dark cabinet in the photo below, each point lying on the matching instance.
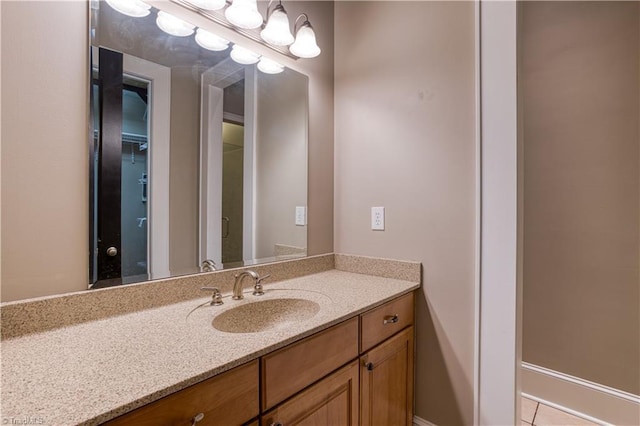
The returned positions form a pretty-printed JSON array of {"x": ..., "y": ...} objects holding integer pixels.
[{"x": 106, "y": 261}]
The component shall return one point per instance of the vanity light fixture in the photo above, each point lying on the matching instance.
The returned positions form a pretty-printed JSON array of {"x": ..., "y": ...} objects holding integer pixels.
[
  {"x": 305, "y": 45},
  {"x": 134, "y": 8},
  {"x": 244, "y": 14},
  {"x": 173, "y": 26},
  {"x": 269, "y": 66},
  {"x": 208, "y": 4},
  {"x": 210, "y": 41},
  {"x": 243, "y": 55},
  {"x": 276, "y": 31}
]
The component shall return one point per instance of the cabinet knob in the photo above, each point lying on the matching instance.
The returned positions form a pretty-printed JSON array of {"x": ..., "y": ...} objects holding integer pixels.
[
  {"x": 276, "y": 424},
  {"x": 369, "y": 366},
  {"x": 390, "y": 319},
  {"x": 198, "y": 417}
]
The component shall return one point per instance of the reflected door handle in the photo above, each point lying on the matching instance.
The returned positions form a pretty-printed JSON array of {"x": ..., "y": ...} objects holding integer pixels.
[
  {"x": 225, "y": 229},
  {"x": 112, "y": 251}
]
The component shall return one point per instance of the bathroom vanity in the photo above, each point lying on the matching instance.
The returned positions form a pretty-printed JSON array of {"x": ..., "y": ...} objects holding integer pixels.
[
  {"x": 337, "y": 350},
  {"x": 357, "y": 372}
]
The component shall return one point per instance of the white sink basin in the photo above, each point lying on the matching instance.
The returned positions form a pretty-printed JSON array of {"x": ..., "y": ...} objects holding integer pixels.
[{"x": 265, "y": 315}]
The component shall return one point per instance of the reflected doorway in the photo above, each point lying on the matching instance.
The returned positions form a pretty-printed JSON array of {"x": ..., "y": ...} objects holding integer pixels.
[
  {"x": 232, "y": 187},
  {"x": 127, "y": 233}
]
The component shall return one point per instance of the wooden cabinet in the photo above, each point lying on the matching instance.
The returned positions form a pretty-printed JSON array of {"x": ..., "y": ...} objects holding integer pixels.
[
  {"x": 229, "y": 398},
  {"x": 332, "y": 401},
  {"x": 386, "y": 382}
]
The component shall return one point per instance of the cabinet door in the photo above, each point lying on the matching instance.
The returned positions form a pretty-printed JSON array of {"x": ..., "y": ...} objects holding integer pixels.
[
  {"x": 386, "y": 382},
  {"x": 333, "y": 401}
]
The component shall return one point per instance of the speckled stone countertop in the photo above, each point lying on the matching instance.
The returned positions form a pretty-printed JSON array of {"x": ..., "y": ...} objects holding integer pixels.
[{"x": 94, "y": 371}]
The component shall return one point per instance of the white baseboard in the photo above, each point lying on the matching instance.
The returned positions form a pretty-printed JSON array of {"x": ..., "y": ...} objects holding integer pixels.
[
  {"x": 588, "y": 400},
  {"x": 418, "y": 421}
]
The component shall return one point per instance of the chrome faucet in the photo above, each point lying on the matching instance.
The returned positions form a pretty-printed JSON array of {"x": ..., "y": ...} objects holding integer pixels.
[{"x": 237, "y": 285}]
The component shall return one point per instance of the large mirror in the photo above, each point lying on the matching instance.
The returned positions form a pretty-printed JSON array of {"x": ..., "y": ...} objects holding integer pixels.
[{"x": 197, "y": 162}]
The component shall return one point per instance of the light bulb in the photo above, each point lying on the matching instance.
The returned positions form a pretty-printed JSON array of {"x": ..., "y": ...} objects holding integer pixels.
[
  {"x": 269, "y": 66},
  {"x": 243, "y": 55},
  {"x": 174, "y": 26},
  {"x": 244, "y": 14},
  {"x": 277, "y": 30},
  {"x": 210, "y": 41},
  {"x": 305, "y": 45},
  {"x": 134, "y": 8},
  {"x": 208, "y": 4}
]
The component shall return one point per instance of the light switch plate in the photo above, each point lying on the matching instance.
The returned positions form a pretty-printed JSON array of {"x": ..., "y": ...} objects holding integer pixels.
[
  {"x": 377, "y": 218},
  {"x": 301, "y": 216}
]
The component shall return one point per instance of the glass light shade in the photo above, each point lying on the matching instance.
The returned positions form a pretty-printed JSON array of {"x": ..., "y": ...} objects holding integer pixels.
[
  {"x": 269, "y": 66},
  {"x": 243, "y": 55},
  {"x": 174, "y": 26},
  {"x": 244, "y": 14},
  {"x": 208, "y": 4},
  {"x": 135, "y": 8},
  {"x": 305, "y": 45},
  {"x": 277, "y": 30},
  {"x": 210, "y": 41}
]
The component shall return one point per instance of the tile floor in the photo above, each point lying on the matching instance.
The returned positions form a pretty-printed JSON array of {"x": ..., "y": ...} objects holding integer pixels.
[{"x": 535, "y": 413}]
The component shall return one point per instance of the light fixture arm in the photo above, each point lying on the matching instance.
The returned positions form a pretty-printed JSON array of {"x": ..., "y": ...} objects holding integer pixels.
[
  {"x": 305, "y": 22},
  {"x": 270, "y": 10}
]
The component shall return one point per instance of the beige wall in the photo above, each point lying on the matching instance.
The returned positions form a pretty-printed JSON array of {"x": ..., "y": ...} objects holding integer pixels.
[
  {"x": 45, "y": 169},
  {"x": 44, "y": 148},
  {"x": 184, "y": 191},
  {"x": 580, "y": 79},
  {"x": 281, "y": 140},
  {"x": 405, "y": 140}
]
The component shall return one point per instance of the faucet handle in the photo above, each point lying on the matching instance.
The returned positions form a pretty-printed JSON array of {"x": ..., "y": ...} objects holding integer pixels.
[
  {"x": 257, "y": 289},
  {"x": 260, "y": 279},
  {"x": 216, "y": 297}
]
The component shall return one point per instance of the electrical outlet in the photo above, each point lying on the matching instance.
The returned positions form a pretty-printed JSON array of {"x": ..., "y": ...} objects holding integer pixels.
[
  {"x": 301, "y": 216},
  {"x": 377, "y": 218}
]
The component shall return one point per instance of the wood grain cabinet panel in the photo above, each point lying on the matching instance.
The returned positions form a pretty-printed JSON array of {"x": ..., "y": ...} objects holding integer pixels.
[
  {"x": 331, "y": 402},
  {"x": 291, "y": 369},
  {"x": 386, "y": 382},
  {"x": 384, "y": 321},
  {"x": 228, "y": 399}
]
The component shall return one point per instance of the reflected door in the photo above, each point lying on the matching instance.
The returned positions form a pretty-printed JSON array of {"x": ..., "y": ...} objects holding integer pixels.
[{"x": 232, "y": 191}]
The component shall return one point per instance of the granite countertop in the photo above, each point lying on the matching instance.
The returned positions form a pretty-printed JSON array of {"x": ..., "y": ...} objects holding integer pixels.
[{"x": 95, "y": 371}]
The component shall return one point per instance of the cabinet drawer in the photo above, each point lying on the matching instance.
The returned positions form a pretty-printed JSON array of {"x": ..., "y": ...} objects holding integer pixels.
[
  {"x": 230, "y": 398},
  {"x": 384, "y": 321},
  {"x": 295, "y": 367}
]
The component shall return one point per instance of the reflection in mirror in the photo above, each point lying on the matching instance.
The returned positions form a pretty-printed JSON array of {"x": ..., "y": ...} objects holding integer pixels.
[{"x": 198, "y": 162}]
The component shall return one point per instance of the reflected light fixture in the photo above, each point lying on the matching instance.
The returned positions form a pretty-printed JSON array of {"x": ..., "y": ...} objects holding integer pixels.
[
  {"x": 305, "y": 45},
  {"x": 134, "y": 8},
  {"x": 244, "y": 14},
  {"x": 174, "y": 26},
  {"x": 277, "y": 31},
  {"x": 210, "y": 41},
  {"x": 243, "y": 55},
  {"x": 269, "y": 66},
  {"x": 208, "y": 4}
]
